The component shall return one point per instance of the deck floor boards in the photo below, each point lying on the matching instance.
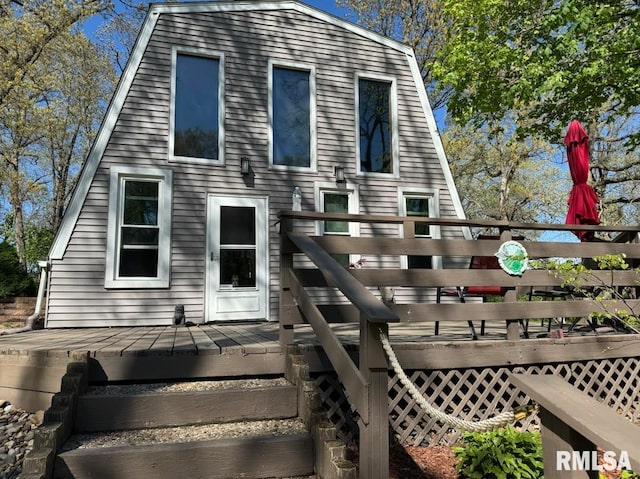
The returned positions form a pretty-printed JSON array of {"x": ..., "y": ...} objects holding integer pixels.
[
  {"x": 243, "y": 348},
  {"x": 227, "y": 337}
]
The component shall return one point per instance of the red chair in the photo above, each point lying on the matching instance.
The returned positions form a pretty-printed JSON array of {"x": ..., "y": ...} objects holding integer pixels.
[{"x": 484, "y": 292}]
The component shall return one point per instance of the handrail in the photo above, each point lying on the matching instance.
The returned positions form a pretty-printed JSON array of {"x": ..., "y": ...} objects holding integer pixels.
[
  {"x": 361, "y": 297},
  {"x": 498, "y": 224},
  {"x": 351, "y": 377},
  {"x": 367, "y": 384}
]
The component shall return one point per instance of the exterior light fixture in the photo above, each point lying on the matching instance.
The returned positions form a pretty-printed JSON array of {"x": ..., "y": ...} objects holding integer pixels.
[
  {"x": 339, "y": 172},
  {"x": 245, "y": 165}
]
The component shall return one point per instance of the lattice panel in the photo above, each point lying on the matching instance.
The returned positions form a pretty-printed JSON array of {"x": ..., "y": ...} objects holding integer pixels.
[
  {"x": 476, "y": 394},
  {"x": 339, "y": 411}
]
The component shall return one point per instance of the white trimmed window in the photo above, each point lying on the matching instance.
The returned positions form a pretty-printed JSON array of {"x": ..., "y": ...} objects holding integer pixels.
[
  {"x": 376, "y": 125},
  {"x": 331, "y": 199},
  {"x": 196, "y": 126},
  {"x": 421, "y": 204},
  {"x": 139, "y": 230},
  {"x": 292, "y": 116}
]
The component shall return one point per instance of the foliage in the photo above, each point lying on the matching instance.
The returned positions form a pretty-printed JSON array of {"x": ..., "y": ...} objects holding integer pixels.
[
  {"x": 547, "y": 61},
  {"x": 417, "y": 23},
  {"x": 500, "y": 178},
  {"x": 28, "y": 27},
  {"x": 581, "y": 278},
  {"x": 500, "y": 454},
  {"x": 625, "y": 474},
  {"x": 49, "y": 117},
  {"x": 14, "y": 280}
]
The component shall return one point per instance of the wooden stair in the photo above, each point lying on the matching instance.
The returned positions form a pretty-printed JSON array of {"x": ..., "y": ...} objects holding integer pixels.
[{"x": 212, "y": 429}]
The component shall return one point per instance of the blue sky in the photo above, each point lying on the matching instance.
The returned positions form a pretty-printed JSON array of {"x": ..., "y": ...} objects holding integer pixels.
[{"x": 328, "y": 6}]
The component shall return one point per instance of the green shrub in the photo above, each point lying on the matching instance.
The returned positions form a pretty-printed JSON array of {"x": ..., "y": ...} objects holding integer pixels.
[
  {"x": 624, "y": 475},
  {"x": 500, "y": 454},
  {"x": 14, "y": 280}
]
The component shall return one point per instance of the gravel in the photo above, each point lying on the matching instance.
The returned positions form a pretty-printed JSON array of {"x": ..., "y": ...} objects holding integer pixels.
[
  {"x": 16, "y": 437},
  {"x": 142, "y": 437},
  {"x": 184, "y": 433},
  {"x": 129, "y": 389}
]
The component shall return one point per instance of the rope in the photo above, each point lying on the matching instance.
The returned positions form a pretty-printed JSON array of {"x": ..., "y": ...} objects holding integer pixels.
[{"x": 495, "y": 422}]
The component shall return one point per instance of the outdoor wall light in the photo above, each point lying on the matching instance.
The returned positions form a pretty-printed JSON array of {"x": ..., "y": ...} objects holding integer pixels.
[
  {"x": 245, "y": 165},
  {"x": 339, "y": 172}
]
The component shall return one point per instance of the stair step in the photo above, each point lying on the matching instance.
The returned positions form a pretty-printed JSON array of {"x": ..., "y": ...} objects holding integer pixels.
[
  {"x": 118, "y": 407},
  {"x": 252, "y": 449}
]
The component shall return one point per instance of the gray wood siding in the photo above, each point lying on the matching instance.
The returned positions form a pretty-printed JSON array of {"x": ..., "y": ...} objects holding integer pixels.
[{"x": 77, "y": 296}]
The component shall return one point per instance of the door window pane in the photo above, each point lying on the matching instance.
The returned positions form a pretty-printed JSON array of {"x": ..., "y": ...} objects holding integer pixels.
[
  {"x": 196, "y": 107},
  {"x": 291, "y": 98},
  {"x": 238, "y": 267},
  {"x": 237, "y": 225},
  {"x": 336, "y": 203},
  {"x": 375, "y": 126}
]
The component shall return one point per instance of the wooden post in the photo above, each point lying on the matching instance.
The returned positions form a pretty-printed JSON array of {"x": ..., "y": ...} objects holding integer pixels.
[
  {"x": 513, "y": 327},
  {"x": 559, "y": 438},
  {"x": 374, "y": 429},
  {"x": 286, "y": 299}
]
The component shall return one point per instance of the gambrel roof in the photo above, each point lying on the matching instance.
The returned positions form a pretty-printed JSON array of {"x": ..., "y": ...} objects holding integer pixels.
[{"x": 91, "y": 165}]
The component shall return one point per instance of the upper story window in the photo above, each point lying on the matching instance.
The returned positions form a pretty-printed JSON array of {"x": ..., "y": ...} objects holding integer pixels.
[
  {"x": 292, "y": 116},
  {"x": 377, "y": 126},
  {"x": 139, "y": 228},
  {"x": 197, "y": 107},
  {"x": 421, "y": 204}
]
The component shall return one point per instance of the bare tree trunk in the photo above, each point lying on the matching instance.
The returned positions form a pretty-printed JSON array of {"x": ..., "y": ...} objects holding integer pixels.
[{"x": 15, "y": 198}]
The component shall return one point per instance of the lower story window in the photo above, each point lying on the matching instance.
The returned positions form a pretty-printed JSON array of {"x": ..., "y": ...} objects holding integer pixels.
[
  {"x": 333, "y": 200},
  {"x": 139, "y": 228},
  {"x": 419, "y": 205}
]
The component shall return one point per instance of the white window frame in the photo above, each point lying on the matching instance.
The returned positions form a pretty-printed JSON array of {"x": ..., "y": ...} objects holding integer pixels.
[
  {"x": 118, "y": 176},
  {"x": 311, "y": 69},
  {"x": 433, "y": 198},
  {"x": 393, "y": 110},
  {"x": 351, "y": 190},
  {"x": 205, "y": 53}
]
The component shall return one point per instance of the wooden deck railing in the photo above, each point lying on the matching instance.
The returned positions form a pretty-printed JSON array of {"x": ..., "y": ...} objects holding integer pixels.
[{"x": 366, "y": 384}]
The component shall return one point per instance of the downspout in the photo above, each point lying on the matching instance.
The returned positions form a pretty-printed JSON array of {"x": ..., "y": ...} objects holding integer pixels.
[{"x": 44, "y": 268}]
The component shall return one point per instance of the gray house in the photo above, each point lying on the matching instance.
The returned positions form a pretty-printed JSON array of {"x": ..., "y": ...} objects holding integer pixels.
[{"x": 224, "y": 108}]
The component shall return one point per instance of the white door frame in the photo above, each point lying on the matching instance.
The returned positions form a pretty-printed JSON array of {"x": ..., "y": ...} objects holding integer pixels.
[{"x": 222, "y": 302}]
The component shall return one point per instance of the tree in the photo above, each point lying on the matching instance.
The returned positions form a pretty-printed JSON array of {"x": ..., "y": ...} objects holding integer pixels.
[
  {"x": 501, "y": 178},
  {"x": 27, "y": 27},
  {"x": 72, "y": 107},
  {"x": 118, "y": 34},
  {"x": 48, "y": 108},
  {"x": 552, "y": 60},
  {"x": 14, "y": 280},
  {"x": 417, "y": 23}
]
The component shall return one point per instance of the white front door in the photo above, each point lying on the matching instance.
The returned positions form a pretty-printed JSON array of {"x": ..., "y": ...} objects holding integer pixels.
[{"x": 237, "y": 265}]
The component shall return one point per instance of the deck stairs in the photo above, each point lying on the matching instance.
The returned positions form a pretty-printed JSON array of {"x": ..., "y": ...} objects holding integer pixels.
[
  {"x": 261, "y": 427},
  {"x": 214, "y": 429}
]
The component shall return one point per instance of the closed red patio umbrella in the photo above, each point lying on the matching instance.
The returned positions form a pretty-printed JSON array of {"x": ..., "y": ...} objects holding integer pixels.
[{"x": 583, "y": 201}]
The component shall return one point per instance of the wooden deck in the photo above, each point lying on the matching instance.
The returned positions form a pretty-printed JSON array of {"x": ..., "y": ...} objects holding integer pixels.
[{"x": 252, "y": 349}]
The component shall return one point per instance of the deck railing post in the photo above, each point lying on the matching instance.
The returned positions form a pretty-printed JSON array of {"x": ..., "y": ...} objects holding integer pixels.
[
  {"x": 286, "y": 299},
  {"x": 374, "y": 429},
  {"x": 513, "y": 326}
]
